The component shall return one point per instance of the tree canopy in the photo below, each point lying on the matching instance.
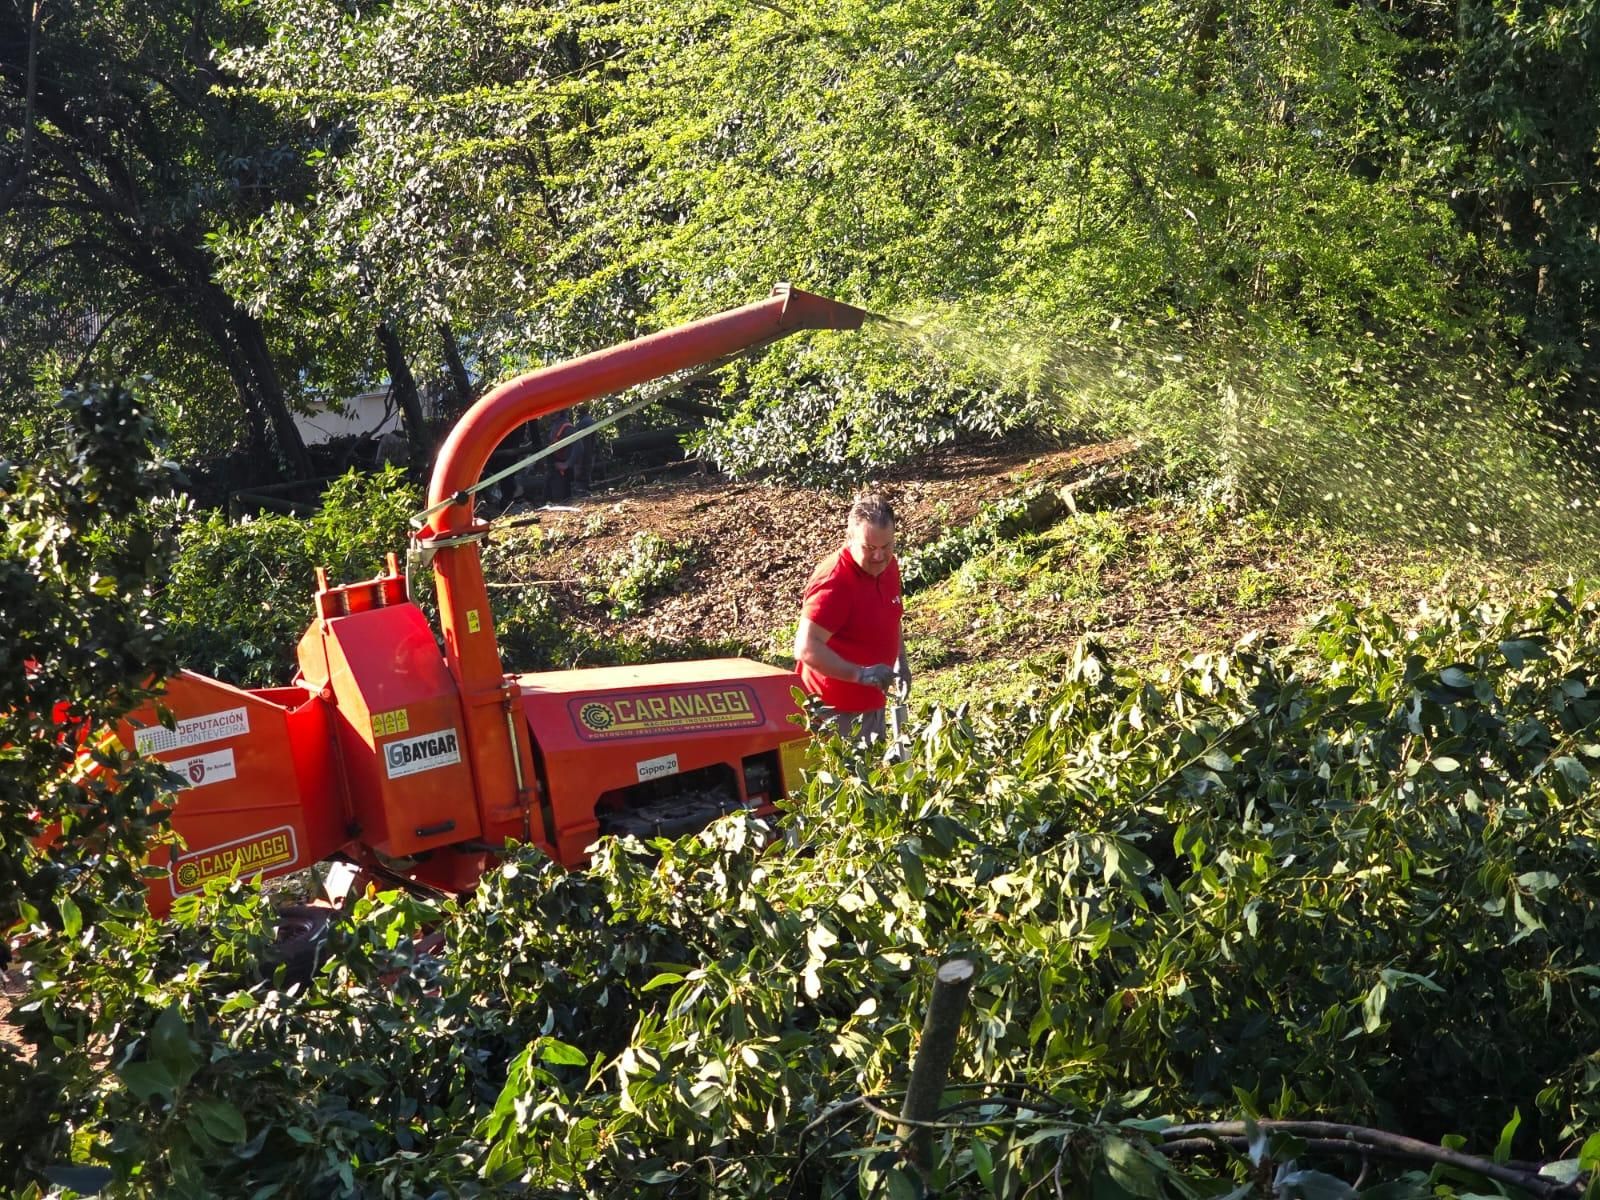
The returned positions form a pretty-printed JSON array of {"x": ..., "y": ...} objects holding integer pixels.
[{"x": 295, "y": 196}]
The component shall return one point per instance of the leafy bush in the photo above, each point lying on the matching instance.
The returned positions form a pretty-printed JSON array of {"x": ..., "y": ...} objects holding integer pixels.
[
  {"x": 82, "y": 559},
  {"x": 240, "y": 594},
  {"x": 995, "y": 521},
  {"x": 645, "y": 570},
  {"x": 1356, "y": 882}
]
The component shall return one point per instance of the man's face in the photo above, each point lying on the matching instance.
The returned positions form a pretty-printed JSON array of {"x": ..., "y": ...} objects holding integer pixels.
[{"x": 872, "y": 546}]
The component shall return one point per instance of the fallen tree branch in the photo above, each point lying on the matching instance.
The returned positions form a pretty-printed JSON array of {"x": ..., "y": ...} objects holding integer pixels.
[{"x": 1329, "y": 1138}]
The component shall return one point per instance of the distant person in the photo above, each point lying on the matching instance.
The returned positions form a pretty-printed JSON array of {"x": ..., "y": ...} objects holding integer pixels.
[
  {"x": 392, "y": 450},
  {"x": 571, "y": 469},
  {"x": 583, "y": 454},
  {"x": 850, "y": 622}
]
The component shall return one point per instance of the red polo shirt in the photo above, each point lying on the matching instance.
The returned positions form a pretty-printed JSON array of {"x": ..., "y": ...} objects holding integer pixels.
[{"x": 863, "y": 611}]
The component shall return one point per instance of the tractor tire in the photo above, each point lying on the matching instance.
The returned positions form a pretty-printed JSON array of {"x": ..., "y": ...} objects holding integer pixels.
[{"x": 302, "y": 944}]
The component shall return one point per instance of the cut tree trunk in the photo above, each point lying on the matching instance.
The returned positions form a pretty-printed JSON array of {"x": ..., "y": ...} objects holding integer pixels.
[{"x": 935, "y": 1052}]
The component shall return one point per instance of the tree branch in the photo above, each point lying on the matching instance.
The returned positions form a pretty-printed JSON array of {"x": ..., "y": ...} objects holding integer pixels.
[
  {"x": 1330, "y": 1138},
  {"x": 106, "y": 323}
]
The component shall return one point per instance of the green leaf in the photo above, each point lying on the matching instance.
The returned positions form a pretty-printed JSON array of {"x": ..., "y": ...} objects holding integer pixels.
[
  {"x": 1131, "y": 1170},
  {"x": 1539, "y": 882},
  {"x": 147, "y": 1080},
  {"x": 1567, "y": 1170},
  {"x": 1445, "y": 765},
  {"x": 1315, "y": 1185},
  {"x": 911, "y": 866},
  {"x": 560, "y": 1054},
  {"x": 1589, "y": 1154},
  {"x": 1393, "y": 977},
  {"x": 1502, "y": 1150},
  {"x": 1255, "y": 1141},
  {"x": 1372, "y": 1006},
  {"x": 1520, "y": 650},
  {"x": 1573, "y": 771},
  {"x": 170, "y": 1046},
  {"x": 71, "y": 918},
  {"x": 85, "y": 1180},
  {"x": 983, "y": 1163},
  {"x": 902, "y": 1184},
  {"x": 221, "y": 1120}
]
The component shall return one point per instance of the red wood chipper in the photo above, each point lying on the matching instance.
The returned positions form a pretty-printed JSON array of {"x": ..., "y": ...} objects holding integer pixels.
[{"x": 420, "y": 758}]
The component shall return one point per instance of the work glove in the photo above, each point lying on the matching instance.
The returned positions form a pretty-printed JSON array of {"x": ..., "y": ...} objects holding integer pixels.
[
  {"x": 879, "y": 675},
  {"x": 902, "y": 672}
]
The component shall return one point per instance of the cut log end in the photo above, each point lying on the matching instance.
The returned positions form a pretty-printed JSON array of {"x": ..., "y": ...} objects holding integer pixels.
[{"x": 957, "y": 970}]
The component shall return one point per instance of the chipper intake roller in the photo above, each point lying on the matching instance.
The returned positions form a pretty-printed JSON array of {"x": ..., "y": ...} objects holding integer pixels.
[{"x": 422, "y": 762}]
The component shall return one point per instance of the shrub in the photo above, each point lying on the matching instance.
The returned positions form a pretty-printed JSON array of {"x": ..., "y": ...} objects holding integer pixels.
[
  {"x": 82, "y": 559},
  {"x": 1354, "y": 882},
  {"x": 632, "y": 579},
  {"x": 240, "y": 594}
]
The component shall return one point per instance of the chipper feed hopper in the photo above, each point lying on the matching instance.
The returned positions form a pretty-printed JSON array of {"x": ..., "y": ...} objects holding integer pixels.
[{"x": 418, "y": 756}]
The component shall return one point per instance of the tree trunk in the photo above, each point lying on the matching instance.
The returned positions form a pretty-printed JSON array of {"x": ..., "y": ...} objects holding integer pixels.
[
  {"x": 405, "y": 394},
  {"x": 243, "y": 344},
  {"x": 935, "y": 1052},
  {"x": 255, "y": 426},
  {"x": 1207, "y": 27},
  {"x": 460, "y": 382},
  {"x": 251, "y": 341}
]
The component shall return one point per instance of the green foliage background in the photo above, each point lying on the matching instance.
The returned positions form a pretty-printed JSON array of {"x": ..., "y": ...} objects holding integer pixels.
[
  {"x": 1361, "y": 205},
  {"x": 240, "y": 595},
  {"x": 1353, "y": 880},
  {"x": 1356, "y": 878}
]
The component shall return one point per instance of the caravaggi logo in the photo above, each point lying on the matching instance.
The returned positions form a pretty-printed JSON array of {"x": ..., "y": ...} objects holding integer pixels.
[
  {"x": 663, "y": 711},
  {"x": 250, "y": 855}
]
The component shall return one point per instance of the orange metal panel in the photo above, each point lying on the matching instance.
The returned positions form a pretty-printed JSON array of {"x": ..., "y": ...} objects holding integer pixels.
[
  {"x": 606, "y": 728},
  {"x": 399, "y": 728},
  {"x": 260, "y": 787}
]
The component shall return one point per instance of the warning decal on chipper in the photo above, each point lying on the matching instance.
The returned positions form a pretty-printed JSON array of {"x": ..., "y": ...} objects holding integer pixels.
[
  {"x": 192, "y": 731},
  {"x": 396, "y": 720},
  {"x": 260, "y": 852},
  {"x": 674, "y": 710},
  {"x": 425, "y": 752}
]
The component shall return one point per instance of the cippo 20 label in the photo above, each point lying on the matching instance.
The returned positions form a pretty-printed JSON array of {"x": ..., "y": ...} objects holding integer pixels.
[
  {"x": 259, "y": 852},
  {"x": 674, "y": 710}
]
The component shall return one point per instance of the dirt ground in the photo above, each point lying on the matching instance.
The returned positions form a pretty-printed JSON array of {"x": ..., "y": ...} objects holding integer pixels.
[
  {"x": 1153, "y": 583},
  {"x": 752, "y": 545}
]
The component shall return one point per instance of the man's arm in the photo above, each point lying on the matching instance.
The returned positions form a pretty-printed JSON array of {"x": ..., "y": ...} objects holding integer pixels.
[{"x": 811, "y": 647}]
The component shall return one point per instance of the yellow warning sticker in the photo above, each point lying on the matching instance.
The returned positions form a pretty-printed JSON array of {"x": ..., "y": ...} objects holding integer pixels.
[
  {"x": 473, "y": 624},
  {"x": 797, "y": 757},
  {"x": 394, "y": 721}
]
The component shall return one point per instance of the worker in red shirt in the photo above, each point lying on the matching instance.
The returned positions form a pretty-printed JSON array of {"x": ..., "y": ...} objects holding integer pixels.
[{"x": 849, "y": 631}]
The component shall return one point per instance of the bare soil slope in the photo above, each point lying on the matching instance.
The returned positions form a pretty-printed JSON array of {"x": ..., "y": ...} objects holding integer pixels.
[
  {"x": 751, "y": 546},
  {"x": 1156, "y": 580}
]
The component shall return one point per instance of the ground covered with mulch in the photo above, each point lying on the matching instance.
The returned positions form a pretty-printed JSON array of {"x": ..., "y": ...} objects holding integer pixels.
[
  {"x": 700, "y": 564},
  {"x": 747, "y": 548}
]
